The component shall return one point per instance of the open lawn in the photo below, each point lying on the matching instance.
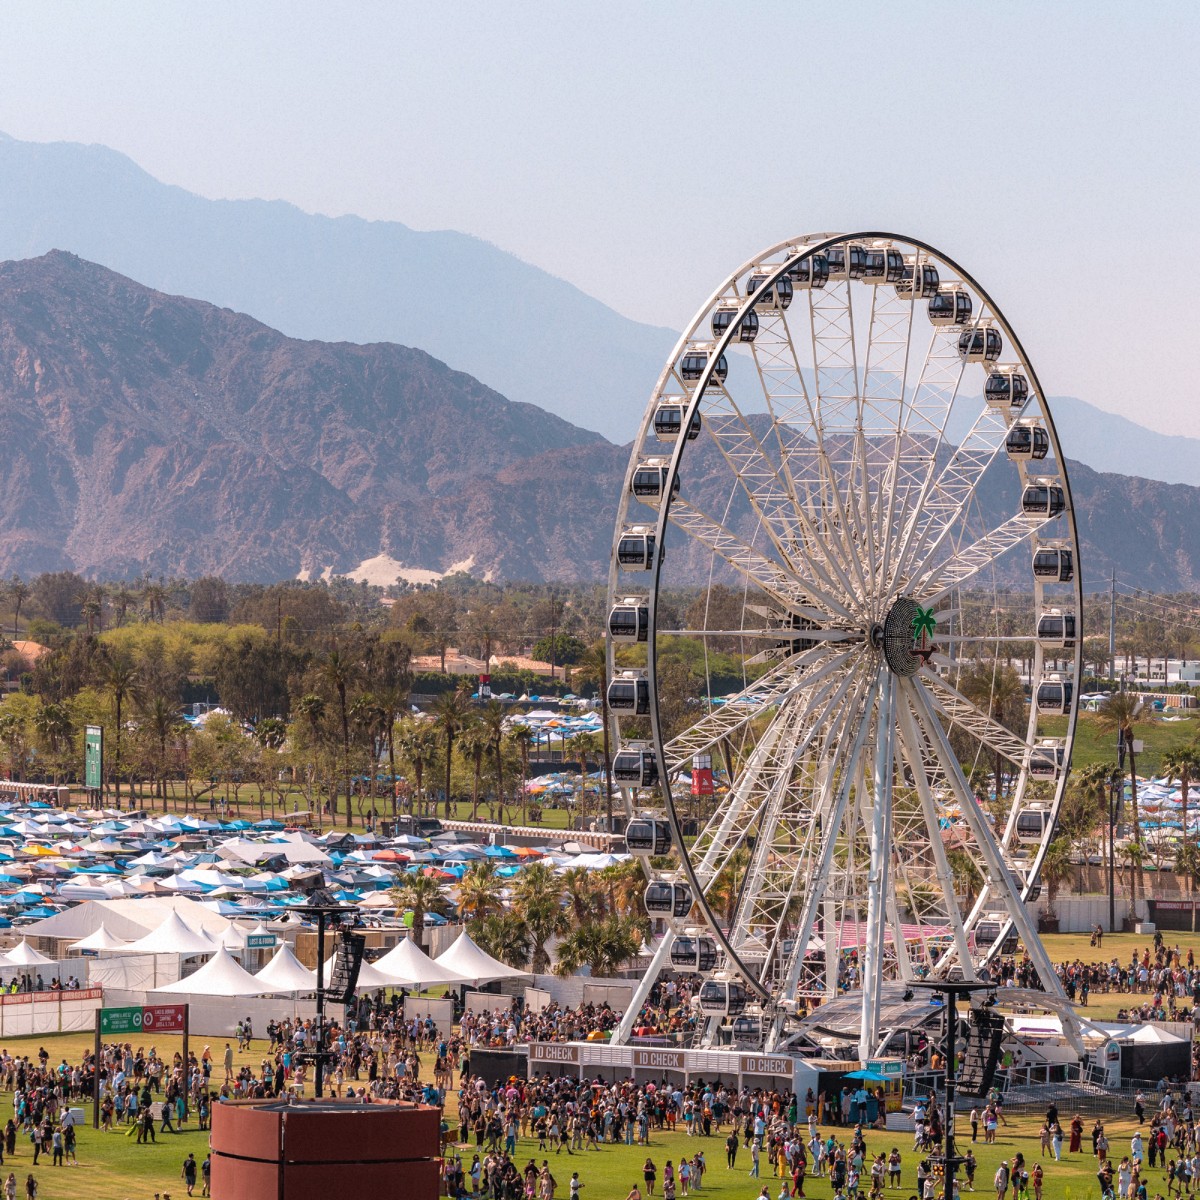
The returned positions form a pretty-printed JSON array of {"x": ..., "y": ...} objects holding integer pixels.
[
  {"x": 114, "y": 1167},
  {"x": 1096, "y": 745}
]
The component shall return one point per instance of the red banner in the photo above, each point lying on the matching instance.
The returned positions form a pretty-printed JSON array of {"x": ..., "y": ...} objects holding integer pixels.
[{"x": 163, "y": 1018}]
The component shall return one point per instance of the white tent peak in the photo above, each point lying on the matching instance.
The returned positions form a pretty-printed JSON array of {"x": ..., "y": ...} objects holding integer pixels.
[
  {"x": 406, "y": 961},
  {"x": 473, "y": 963},
  {"x": 24, "y": 955},
  {"x": 173, "y": 936},
  {"x": 286, "y": 973},
  {"x": 101, "y": 939},
  {"x": 222, "y": 975}
]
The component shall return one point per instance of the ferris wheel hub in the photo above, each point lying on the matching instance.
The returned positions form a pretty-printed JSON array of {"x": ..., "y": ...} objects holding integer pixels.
[{"x": 906, "y": 636}]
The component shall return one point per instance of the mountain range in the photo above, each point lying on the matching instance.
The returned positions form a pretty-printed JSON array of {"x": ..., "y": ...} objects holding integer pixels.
[
  {"x": 529, "y": 335},
  {"x": 144, "y": 431}
]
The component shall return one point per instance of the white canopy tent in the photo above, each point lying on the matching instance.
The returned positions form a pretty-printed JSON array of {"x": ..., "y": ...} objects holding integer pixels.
[
  {"x": 466, "y": 958},
  {"x": 369, "y": 976},
  {"x": 173, "y": 936},
  {"x": 286, "y": 973},
  {"x": 24, "y": 955},
  {"x": 407, "y": 962},
  {"x": 222, "y": 975},
  {"x": 99, "y": 941}
]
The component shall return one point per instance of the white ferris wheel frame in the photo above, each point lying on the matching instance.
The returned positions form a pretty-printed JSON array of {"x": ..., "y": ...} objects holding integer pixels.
[{"x": 912, "y": 710}]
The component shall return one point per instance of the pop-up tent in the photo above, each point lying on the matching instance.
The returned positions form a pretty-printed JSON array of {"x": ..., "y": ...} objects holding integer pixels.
[
  {"x": 470, "y": 962},
  {"x": 222, "y": 975},
  {"x": 409, "y": 964},
  {"x": 101, "y": 939},
  {"x": 285, "y": 973},
  {"x": 173, "y": 936}
]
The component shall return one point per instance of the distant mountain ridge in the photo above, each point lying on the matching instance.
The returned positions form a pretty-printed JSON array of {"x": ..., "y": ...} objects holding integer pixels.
[
  {"x": 151, "y": 432},
  {"x": 530, "y": 335}
]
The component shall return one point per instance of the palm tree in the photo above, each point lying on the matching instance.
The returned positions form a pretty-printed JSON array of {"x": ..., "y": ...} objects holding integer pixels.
[
  {"x": 493, "y": 721},
  {"x": 1182, "y": 763},
  {"x": 422, "y": 894},
  {"x": 479, "y": 893},
  {"x": 582, "y": 746},
  {"x": 392, "y": 699},
  {"x": 450, "y": 711},
  {"x": 162, "y": 719},
  {"x": 523, "y": 736},
  {"x": 417, "y": 740},
  {"x": 726, "y": 888},
  {"x": 585, "y": 896},
  {"x": 474, "y": 741},
  {"x": 52, "y": 723},
  {"x": 604, "y": 946},
  {"x": 537, "y": 900},
  {"x": 122, "y": 679},
  {"x": 1118, "y": 714},
  {"x": 592, "y": 669},
  {"x": 339, "y": 673},
  {"x": 1056, "y": 869},
  {"x": 92, "y": 612},
  {"x": 996, "y": 688},
  {"x": 506, "y": 937},
  {"x": 123, "y": 600},
  {"x": 18, "y": 593},
  {"x": 154, "y": 595}
]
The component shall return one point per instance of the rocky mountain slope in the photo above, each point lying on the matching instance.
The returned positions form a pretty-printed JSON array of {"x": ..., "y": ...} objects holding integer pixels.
[
  {"x": 146, "y": 431},
  {"x": 532, "y": 336}
]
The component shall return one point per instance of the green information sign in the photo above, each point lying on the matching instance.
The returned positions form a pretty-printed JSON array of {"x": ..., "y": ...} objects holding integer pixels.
[
  {"x": 121, "y": 1020},
  {"x": 260, "y": 941},
  {"x": 93, "y": 758}
]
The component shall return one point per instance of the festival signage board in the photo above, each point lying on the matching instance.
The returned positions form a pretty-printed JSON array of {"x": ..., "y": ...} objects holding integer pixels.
[
  {"x": 553, "y": 1052},
  {"x": 93, "y": 757}
]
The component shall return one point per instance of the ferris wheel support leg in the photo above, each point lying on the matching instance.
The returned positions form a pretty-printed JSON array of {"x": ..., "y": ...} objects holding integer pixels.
[
  {"x": 642, "y": 991},
  {"x": 941, "y": 864},
  {"x": 881, "y": 857},
  {"x": 818, "y": 888},
  {"x": 1002, "y": 879},
  {"x": 829, "y": 921}
]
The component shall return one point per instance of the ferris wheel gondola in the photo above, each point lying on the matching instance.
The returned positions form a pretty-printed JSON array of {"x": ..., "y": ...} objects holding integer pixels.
[{"x": 843, "y": 397}]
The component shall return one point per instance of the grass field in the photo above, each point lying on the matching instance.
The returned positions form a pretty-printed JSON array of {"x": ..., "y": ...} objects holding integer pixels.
[{"x": 1096, "y": 745}]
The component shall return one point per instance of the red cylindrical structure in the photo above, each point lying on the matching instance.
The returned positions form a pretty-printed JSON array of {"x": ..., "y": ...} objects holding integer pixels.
[{"x": 311, "y": 1150}]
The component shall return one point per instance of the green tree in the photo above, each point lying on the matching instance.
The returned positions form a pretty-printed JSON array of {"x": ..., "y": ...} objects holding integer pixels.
[
  {"x": 538, "y": 901},
  {"x": 523, "y": 737},
  {"x": 122, "y": 679},
  {"x": 474, "y": 742},
  {"x": 450, "y": 711},
  {"x": 604, "y": 946},
  {"x": 1056, "y": 868},
  {"x": 422, "y": 894},
  {"x": 416, "y": 740},
  {"x": 18, "y": 593},
  {"x": 592, "y": 671},
  {"x": 493, "y": 718},
  {"x": 1182, "y": 763},
  {"x": 479, "y": 893},
  {"x": 339, "y": 672},
  {"x": 1119, "y": 713}
]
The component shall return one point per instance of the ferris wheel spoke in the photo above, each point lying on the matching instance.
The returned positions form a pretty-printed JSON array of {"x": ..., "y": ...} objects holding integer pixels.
[
  {"x": 789, "y": 678},
  {"x": 752, "y": 564},
  {"x": 919, "y": 434},
  {"x": 943, "y": 506},
  {"x": 964, "y": 564},
  {"x": 789, "y": 733},
  {"x": 913, "y": 750},
  {"x": 789, "y": 840},
  {"x": 967, "y": 716},
  {"x": 1001, "y": 881}
]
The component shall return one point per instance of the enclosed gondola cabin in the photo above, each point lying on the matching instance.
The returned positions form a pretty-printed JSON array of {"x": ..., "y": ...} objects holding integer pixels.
[
  {"x": 636, "y": 768},
  {"x": 668, "y": 421},
  {"x": 919, "y": 281},
  {"x": 1056, "y": 630},
  {"x": 983, "y": 345},
  {"x": 647, "y": 837},
  {"x": 635, "y": 549},
  {"x": 668, "y": 899},
  {"x": 629, "y": 620},
  {"x": 1042, "y": 499},
  {"x": 725, "y": 316},
  {"x": 629, "y": 694},
  {"x": 1046, "y": 760},
  {"x": 1027, "y": 443},
  {"x": 951, "y": 307},
  {"x": 1032, "y": 823},
  {"x": 694, "y": 954},
  {"x": 722, "y": 998},
  {"x": 1006, "y": 388},
  {"x": 692, "y": 364},
  {"x": 649, "y": 481},
  {"x": 988, "y": 930},
  {"x": 809, "y": 272},
  {"x": 1054, "y": 696},
  {"x": 1055, "y": 564},
  {"x": 883, "y": 265},
  {"x": 770, "y": 295},
  {"x": 847, "y": 261}
]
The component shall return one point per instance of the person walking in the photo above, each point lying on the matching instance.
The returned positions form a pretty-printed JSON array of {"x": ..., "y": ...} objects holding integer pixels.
[
  {"x": 31, "y": 1187},
  {"x": 731, "y": 1149},
  {"x": 649, "y": 1175},
  {"x": 189, "y": 1173},
  {"x": 10, "y": 1187},
  {"x": 1000, "y": 1179}
]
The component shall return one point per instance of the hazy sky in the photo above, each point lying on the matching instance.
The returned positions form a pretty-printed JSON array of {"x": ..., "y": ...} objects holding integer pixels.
[{"x": 643, "y": 150}]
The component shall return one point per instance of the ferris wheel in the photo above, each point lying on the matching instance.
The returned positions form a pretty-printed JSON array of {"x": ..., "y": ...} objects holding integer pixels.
[{"x": 850, "y": 455}]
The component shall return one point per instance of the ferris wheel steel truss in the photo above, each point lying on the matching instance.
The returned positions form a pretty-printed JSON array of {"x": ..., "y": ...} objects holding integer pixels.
[{"x": 855, "y": 509}]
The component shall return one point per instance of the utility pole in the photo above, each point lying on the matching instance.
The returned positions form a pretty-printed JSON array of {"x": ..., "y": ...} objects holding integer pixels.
[{"x": 1112, "y": 626}]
